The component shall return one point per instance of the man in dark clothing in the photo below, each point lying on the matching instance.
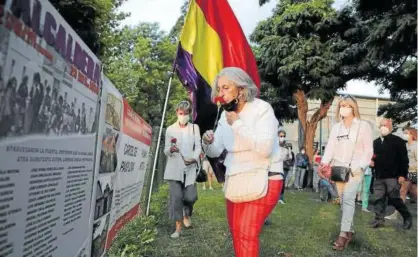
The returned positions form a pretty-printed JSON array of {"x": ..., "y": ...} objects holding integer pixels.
[{"x": 391, "y": 168}]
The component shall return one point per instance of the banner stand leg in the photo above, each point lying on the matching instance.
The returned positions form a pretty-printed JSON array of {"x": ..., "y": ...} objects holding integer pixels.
[{"x": 158, "y": 143}]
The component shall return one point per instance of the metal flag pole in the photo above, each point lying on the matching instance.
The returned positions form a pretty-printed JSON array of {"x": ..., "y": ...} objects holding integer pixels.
[{"x": 159, "y": 141}]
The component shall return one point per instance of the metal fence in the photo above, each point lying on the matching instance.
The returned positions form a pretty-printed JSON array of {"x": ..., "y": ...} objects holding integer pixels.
[{"x": 159, "y": 170}]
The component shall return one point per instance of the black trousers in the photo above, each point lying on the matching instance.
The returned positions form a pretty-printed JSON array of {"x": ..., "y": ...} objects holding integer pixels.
[
  {"x": 286, "y": 173},
  {"x": 388, "y": 188}
]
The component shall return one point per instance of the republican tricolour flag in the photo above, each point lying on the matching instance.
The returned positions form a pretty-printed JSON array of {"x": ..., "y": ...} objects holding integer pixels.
[{"x": 211, "y": 39}]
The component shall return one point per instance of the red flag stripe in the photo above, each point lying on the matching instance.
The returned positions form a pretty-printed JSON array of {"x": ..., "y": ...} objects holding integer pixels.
[{"x": 235, "y": 48}]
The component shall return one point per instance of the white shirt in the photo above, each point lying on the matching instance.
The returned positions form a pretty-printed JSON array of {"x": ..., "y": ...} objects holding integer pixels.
[
  {"x": 251, "y": 141},
  {"x": 175, "y": 168},
  {"x": 342, "y": 148}
]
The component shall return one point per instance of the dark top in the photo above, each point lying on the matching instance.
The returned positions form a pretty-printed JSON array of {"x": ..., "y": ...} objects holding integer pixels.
[
  {"x": 391, "y": 157},
  {"x": 302, "y": 160}
]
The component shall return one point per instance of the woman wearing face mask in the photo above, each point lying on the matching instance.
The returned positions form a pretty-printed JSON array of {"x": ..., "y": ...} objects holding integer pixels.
[
  {"x": 410, "y": 185},
  {"x": 247, "y": 129},
  {"x": 182, "y": 147},
  {"x": 350, "y": 144}
]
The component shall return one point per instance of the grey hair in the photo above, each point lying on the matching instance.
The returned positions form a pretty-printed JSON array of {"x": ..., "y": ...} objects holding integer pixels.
[
  {"x": 184, "y": 105},
  {"x": 241, "y": 79}
]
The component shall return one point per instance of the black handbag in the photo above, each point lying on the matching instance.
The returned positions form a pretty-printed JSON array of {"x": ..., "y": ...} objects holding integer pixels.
[
  {"x": 201, "y": 175},
  {"x": 341, "y": 173}
]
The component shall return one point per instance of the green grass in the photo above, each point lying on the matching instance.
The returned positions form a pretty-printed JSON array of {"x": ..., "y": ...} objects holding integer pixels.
[{"x": 302, "y": 227}]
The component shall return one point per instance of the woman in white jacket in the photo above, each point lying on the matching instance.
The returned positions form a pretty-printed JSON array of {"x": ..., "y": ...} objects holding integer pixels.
[
  {"x": 247, "y": 129},
  {"x": 350, "y": 144},
  {"x": 182, "y": 147}
]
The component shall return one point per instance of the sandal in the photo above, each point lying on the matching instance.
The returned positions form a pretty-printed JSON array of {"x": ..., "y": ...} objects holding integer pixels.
[
  {"x": 336, "y": 201},
  {"x": 341, "y": 243},
  {"x": 349, "y": 237}
]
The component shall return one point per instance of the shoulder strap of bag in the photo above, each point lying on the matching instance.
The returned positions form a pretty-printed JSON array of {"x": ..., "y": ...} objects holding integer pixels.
[
  {"x": 352, "y": 154},
  {"x": 199, "y": 162},
  {"x": 194, "y": 142}
]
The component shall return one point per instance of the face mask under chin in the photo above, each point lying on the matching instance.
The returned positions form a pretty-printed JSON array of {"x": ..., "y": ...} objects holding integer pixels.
[{"x": 231, "y": 106}]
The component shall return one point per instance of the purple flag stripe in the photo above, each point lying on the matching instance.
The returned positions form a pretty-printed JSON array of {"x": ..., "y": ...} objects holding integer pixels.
[{"x": 203, "y": 108}]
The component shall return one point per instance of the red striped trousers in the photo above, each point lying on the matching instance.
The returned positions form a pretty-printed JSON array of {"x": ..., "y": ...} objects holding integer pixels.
[{"x": 246, "y": 220}]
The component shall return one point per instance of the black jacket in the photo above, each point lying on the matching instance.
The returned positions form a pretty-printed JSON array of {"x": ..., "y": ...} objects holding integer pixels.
[{"x": 391, "y": 157}]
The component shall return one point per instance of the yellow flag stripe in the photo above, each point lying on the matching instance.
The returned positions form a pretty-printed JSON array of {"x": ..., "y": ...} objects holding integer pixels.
[{"x": 202, "y": 42}]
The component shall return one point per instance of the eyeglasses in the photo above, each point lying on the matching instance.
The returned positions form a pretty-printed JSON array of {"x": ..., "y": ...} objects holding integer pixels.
[
  {"x": 342, "y": 137},
  {"x": 346, "y": 96}
]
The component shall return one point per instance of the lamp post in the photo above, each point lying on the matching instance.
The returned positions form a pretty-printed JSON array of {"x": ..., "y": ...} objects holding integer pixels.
[{"x": 320, "y": 136}]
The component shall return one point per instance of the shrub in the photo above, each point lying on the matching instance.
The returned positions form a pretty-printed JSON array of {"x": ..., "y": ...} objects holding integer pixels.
[
  {"x": 159, "y": 204},
  {"x": 137, "y": 237}
]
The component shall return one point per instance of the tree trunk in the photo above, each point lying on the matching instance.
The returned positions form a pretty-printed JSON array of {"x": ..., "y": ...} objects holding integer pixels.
[
  {"x": 309, "y": 139},
  {"x": 309, "y": 126}
]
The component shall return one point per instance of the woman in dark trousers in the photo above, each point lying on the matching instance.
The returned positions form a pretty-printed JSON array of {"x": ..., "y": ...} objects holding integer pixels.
[{"x": 183, "y": 148}]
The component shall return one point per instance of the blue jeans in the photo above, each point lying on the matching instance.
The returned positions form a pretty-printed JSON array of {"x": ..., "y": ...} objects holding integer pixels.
[
  {"x": 323, "y": 183},
  {"x": 299, "y": 177}
]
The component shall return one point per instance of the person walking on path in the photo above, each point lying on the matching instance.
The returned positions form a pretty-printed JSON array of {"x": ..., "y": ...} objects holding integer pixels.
[
  {"x": 349, "y": 145},
  {"x": 391, "y": 168},
  {"x": 183, "y": 148},
  {"x": 248, "y": 130}
]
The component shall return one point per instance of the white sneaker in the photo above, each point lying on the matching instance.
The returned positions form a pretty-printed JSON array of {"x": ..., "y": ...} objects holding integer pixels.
[
  {"x": 365, "y": 210},
  {"x": 175, "y": 235},
  {"x": 210, "y": 188},
  {"x": 281, "y": 202},
  {"x": 394, "y": 216}
]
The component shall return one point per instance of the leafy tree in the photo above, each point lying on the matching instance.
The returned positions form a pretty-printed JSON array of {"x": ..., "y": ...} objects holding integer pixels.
[
  {"x": 283, "y": 105},
  {"x": 141, "y": 69},
  {"x": 304, "y": 55},
  {"x": 176, "y": 30},
  {"x": 392, "y": 49},
  {"x": 96, "y": 22}
]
